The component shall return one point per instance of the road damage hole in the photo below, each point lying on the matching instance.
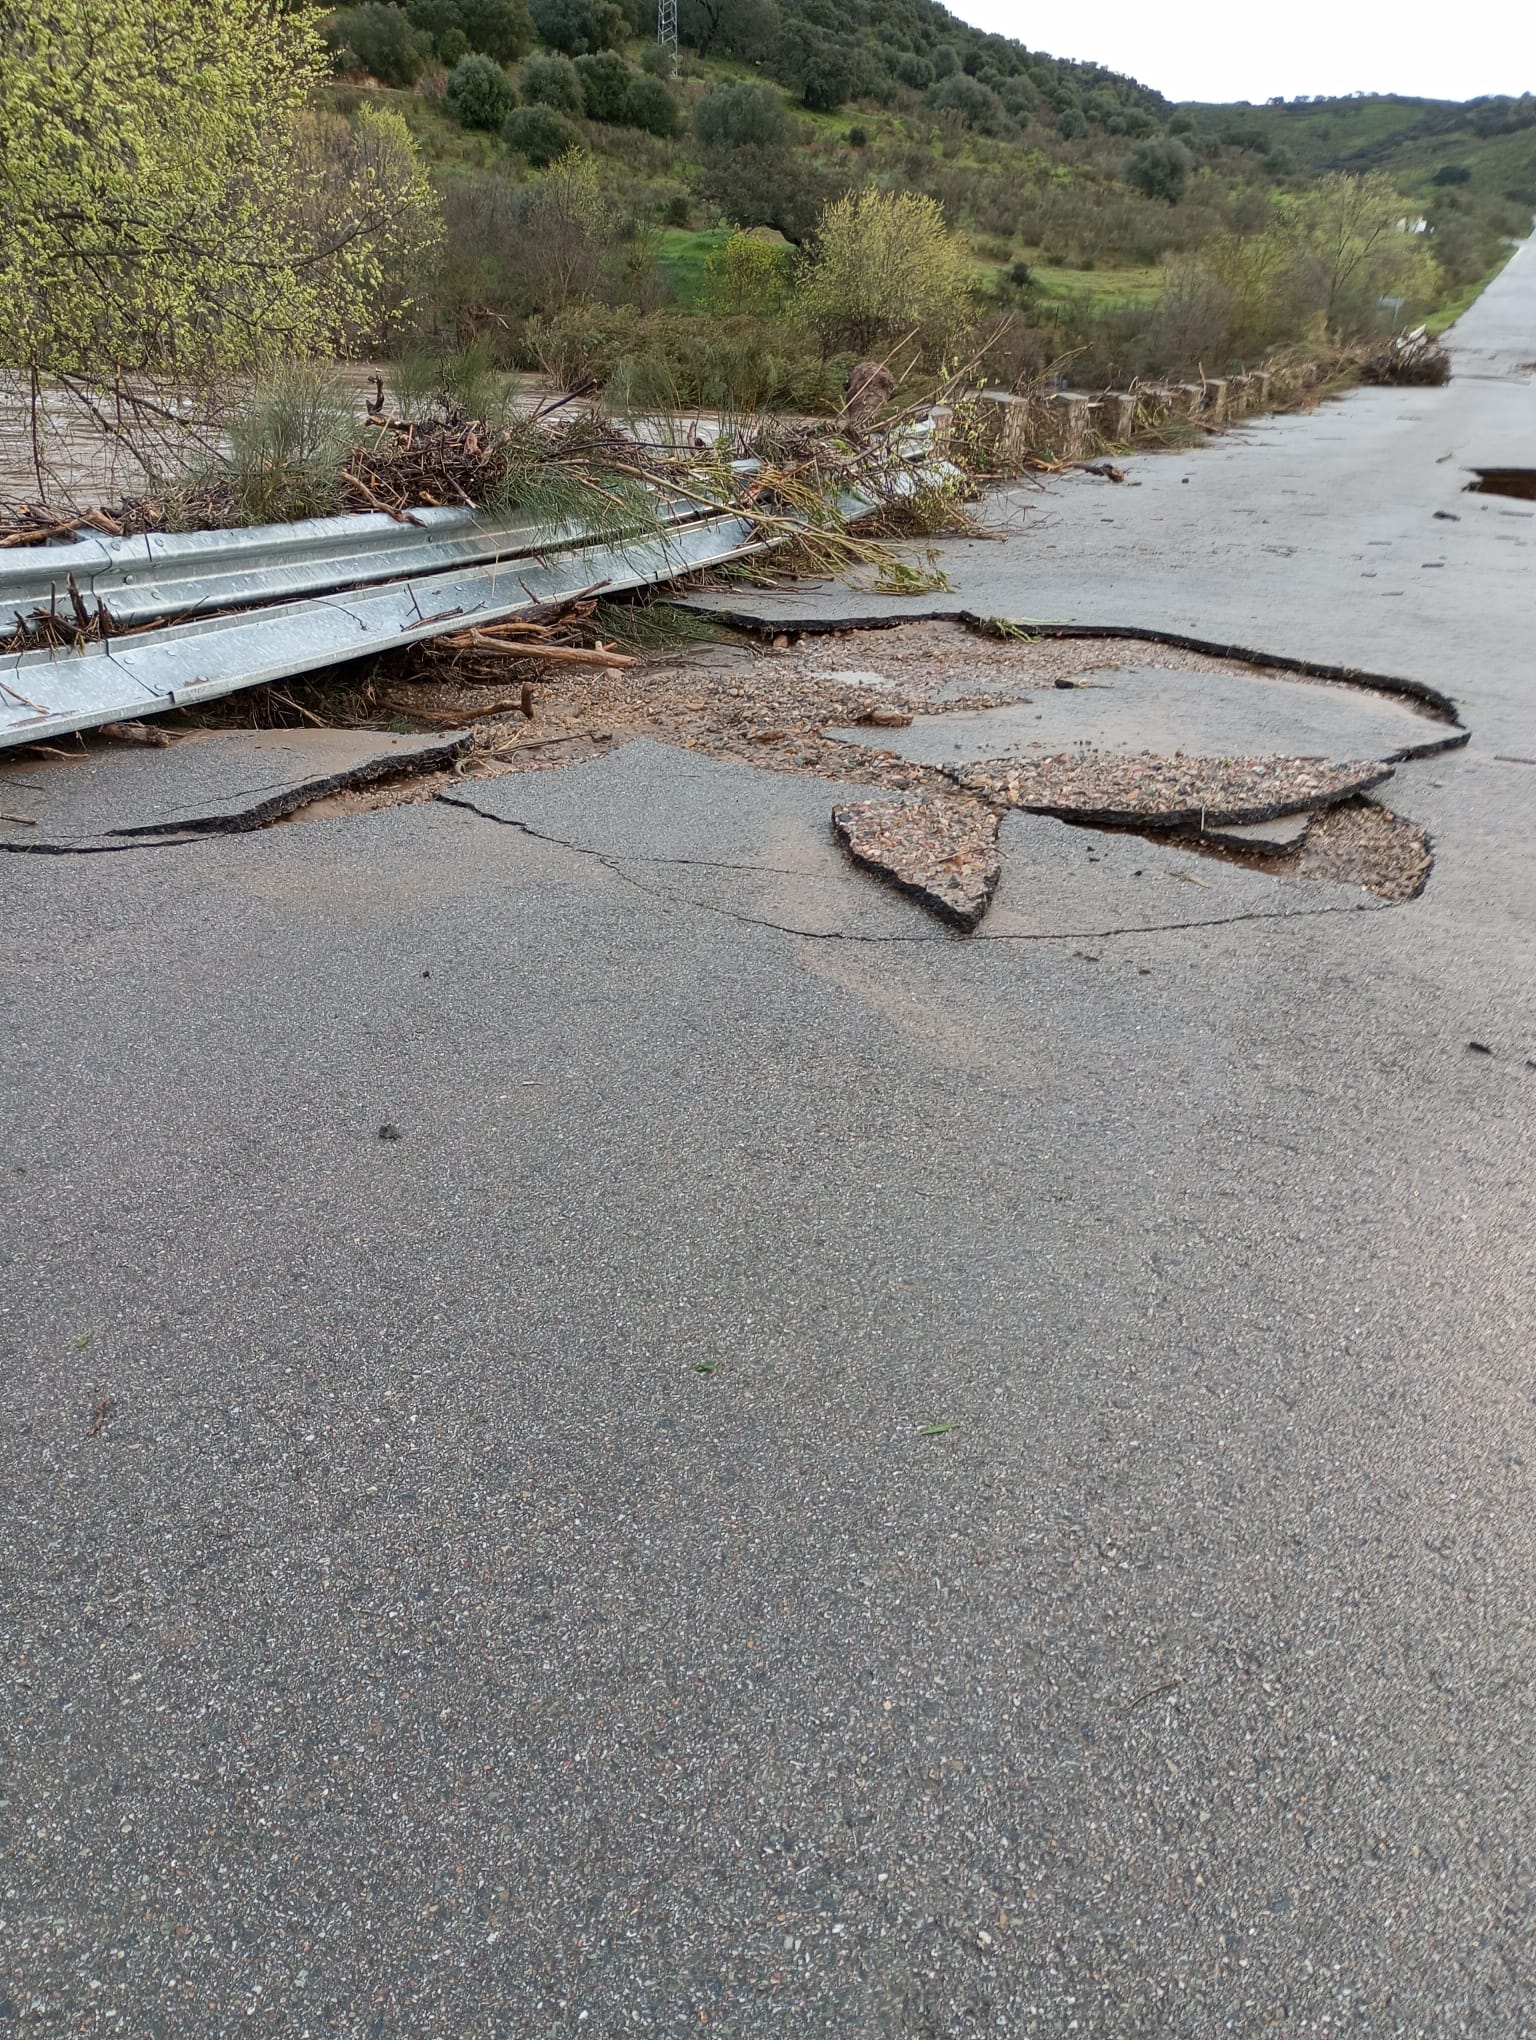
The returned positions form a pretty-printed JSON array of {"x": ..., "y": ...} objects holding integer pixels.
[{"x": 1503, "y": 481}]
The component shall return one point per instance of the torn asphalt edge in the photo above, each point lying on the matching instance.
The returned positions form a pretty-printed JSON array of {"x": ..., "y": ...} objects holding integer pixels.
[
  {"x": 1419, "y": 691},
  {"x": 302, "y": 793}
]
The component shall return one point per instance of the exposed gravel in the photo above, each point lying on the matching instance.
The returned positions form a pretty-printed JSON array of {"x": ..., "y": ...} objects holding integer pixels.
[
  {"x": 944, "y": 854},
  {"x": 1363, "y": 844},
  {"x": 771, "y": 705},
  {"x": 1179, "y": 792}
]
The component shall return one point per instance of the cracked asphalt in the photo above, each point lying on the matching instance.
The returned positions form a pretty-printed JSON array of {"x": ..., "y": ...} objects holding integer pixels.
[{"x": 920, "y": 1487}]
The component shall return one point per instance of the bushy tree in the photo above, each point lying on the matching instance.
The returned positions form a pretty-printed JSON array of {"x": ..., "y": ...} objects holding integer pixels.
[
  {"x": 747, "y": 274},
  {"x": 884, "y": 265},
  {"x": 380, "y": 40},
  {"x": 479, "y": 94},
  {"x": 739, "y": 28},
  {"x": 551, "y": 80},
  {"x": 502, "y": 29},
  {"x": 914, "y": 71},
  {"x": 760, "y": 187},
  {"x": 604, "y": 79},
  {"x": 741, "y": 116},
  {"x": 539, "y": 134},
  {"x": 649, "y": 104},
  {"x": 200, "y": 232},
  {"x": 1350, "y": 234},
  {"x": 568, "y": 230},
  {"x": 1159, "y": 169},
  {"x": 827, "y": 69},
  {"x": 974, "y": 104},
  {"x": 580, "y": 27},
  {"x": 1071, "y": 123}
]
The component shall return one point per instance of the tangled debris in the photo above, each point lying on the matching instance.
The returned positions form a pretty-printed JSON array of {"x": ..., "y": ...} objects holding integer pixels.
[{"x": 1408, "y": 358}]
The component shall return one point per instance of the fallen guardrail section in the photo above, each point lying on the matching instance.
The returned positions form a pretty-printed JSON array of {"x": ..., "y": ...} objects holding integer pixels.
[{"x": 245, "y": 607}]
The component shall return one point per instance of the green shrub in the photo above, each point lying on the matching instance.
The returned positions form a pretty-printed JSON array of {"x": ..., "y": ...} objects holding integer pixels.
[
  {"x": 289, "y": 444},
  {"x": 580, "y": 27},
  {"x": 1159, "y": 169},
  {"x": 650, "y": 105},
  {"x": 747, "y": 274},
  {"x": 741, "y": 116},
  {"x": 551, "y": 80},
  {"x": 479, "y": 94},
  {"x": 379, "y": 40},
  {"x": 656, "y": 61},
  {"x": 976, "y": 106},
  {"x": 858, "y": 138},
  {"x": 885, "y": 265},
  {"x": 604, "y": 78},
  {"x": 502, "y": 29},
  {"x": 539, "y": 134}
]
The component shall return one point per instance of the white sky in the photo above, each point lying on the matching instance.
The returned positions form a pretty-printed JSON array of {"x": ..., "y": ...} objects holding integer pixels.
[{"x": 1251, "y": 52}]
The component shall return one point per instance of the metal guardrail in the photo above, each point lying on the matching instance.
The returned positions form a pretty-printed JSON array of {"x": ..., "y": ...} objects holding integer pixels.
[
  {"x": 162, "y": 573},
  {"x": 45, "y": 694},
  {"x": 365, "y": 585}
]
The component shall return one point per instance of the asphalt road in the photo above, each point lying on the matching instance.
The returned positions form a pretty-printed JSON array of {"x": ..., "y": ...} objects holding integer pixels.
[{"x": 851, "y": 1481}]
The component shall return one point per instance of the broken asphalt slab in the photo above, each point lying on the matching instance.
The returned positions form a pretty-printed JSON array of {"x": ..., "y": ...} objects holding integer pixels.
[
  {"x": 1162, "y": 710},
  {"x": 1188, "y": 795},
  {"x": 734, "y": 838},
  {"x": 118, "y": 796},
  {"x": 1278, "y": 833},
  {"x": 943, "y": 854},
  {"x": 758, "y": 847}
]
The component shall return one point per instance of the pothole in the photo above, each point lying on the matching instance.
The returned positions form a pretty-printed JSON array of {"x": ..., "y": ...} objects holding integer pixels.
[
  {"x": 1518, "y": 482},
  {"x": 1249, "y": 759}
]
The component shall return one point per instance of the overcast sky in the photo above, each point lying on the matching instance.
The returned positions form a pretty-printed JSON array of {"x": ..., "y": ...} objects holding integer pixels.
[{"x": 1329, "y": 46}]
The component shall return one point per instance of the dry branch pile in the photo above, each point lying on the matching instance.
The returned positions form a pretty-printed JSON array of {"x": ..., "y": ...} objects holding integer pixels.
[{"x": 1411, "y": 358}]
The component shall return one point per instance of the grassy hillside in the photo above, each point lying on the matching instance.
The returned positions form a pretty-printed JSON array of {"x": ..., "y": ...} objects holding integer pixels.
[
  {"x": 1072, "y": 187},
  {"x": 1416, "y": 141}
]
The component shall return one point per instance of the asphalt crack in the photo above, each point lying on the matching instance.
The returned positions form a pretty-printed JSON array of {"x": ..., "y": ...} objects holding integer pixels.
[{"x": 950, "y": 939}]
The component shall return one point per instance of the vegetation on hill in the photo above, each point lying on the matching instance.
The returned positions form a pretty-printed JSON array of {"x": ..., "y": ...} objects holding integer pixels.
[
  {"x": 809, "y": 181},
  {"x": 1103, "y": 231}
]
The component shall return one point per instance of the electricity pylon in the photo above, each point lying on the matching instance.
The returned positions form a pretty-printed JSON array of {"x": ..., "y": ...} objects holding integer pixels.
[{"x": 666, "y": 25}]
